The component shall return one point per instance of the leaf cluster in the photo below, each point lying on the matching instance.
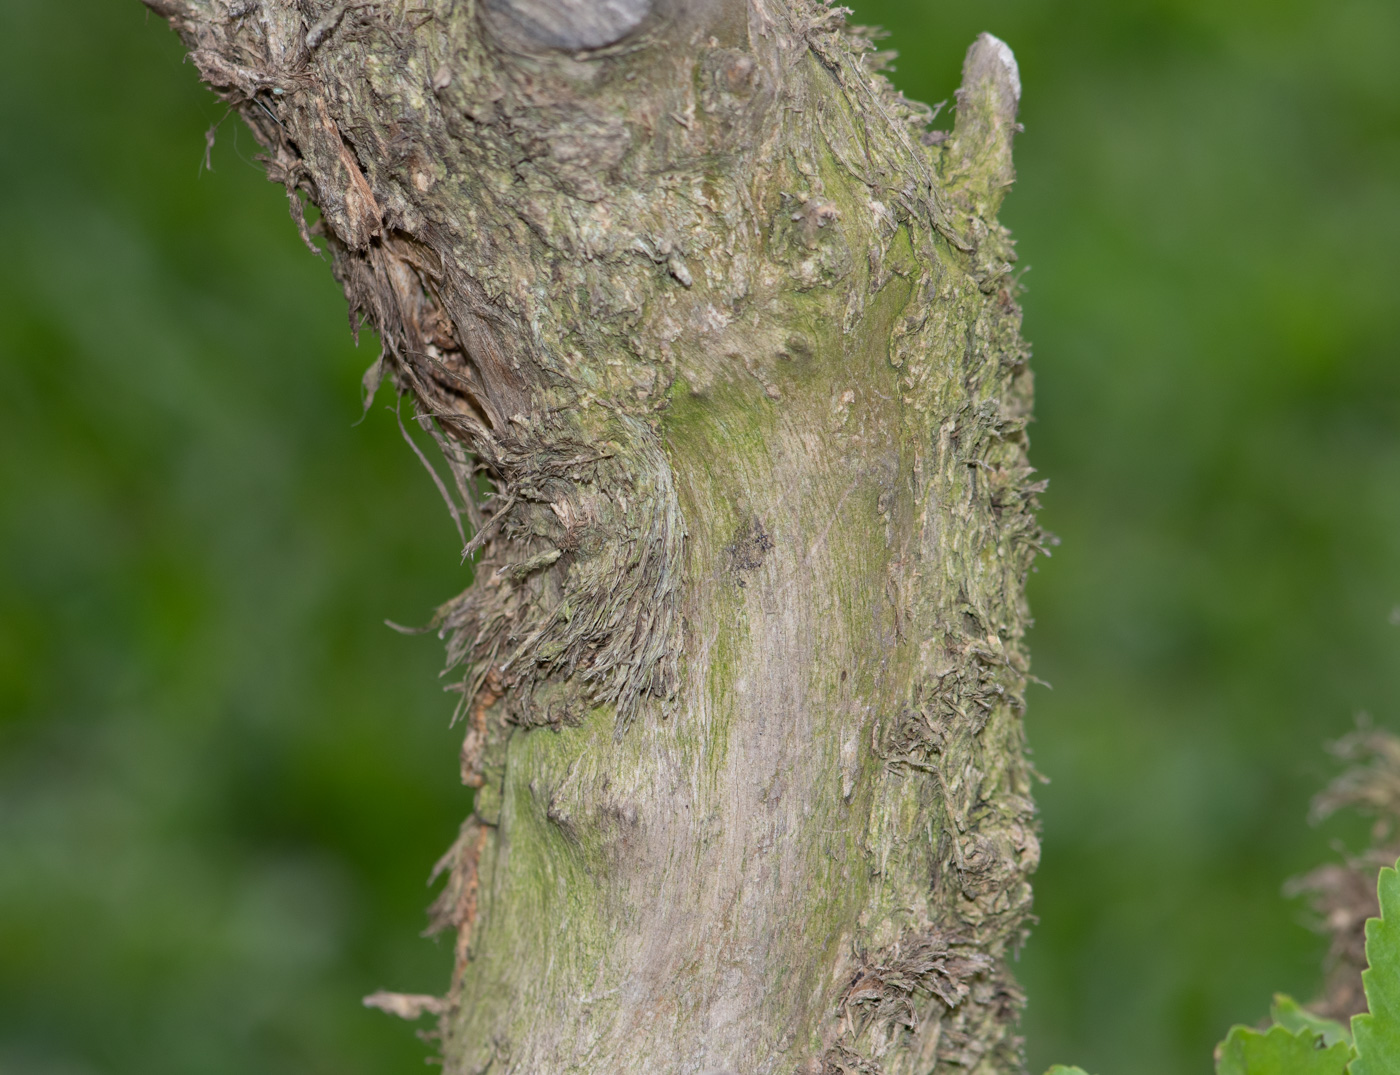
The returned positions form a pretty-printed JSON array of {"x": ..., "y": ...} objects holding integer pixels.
[{"x": 1301, "y": 1043}]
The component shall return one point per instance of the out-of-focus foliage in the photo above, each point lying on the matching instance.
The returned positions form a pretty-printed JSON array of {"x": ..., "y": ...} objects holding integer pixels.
[
  {"x": 1279, "y": 1051},
  {"x": 222, "y": 782},
  {"x": 1293, "y": 1017},
  {"x": 1301, "y": 1043}
]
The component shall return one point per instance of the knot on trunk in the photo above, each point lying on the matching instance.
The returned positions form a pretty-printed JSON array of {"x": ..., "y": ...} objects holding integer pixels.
[{"x": 573, "y": 24}]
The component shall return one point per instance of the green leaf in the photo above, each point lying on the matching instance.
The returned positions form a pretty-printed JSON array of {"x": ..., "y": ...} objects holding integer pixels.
[
  {"x": 1291, "y": 1015},
  {"x": 1060, "y": 1069},
  {"x": 1280, "y": 1052},
  {"x": 1377, "y": 1033}
]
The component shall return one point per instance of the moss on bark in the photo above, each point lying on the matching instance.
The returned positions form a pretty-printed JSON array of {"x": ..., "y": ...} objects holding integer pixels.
[{"x": 732, "y": 338}]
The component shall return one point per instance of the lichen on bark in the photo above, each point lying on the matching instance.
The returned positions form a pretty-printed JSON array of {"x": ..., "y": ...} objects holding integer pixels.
[{"x": 731, "y": 338}]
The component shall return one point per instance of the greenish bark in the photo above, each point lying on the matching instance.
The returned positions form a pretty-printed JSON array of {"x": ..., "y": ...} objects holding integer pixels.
[{"x": 732, "y": 338}]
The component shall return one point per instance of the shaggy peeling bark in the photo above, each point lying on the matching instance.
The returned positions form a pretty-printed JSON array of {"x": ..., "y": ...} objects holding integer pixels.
[{"x": 730, "y": 336}]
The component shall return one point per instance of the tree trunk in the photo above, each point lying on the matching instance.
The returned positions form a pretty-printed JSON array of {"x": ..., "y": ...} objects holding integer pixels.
[{"x": 721, "y": 347}]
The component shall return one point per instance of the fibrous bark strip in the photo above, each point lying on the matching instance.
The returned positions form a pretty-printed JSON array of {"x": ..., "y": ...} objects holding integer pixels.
[{"x": 729, "y": 337}]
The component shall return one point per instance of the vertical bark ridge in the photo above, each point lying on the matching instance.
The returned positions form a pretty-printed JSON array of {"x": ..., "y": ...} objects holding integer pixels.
[{"x": 731, "y": 338}]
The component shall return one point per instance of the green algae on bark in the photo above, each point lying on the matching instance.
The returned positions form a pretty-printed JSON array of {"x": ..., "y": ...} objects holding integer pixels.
[{"x": 732, "y": 339}]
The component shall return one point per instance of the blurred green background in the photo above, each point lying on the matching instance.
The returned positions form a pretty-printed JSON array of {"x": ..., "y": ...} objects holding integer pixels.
[{"x": 222, "y": 781}]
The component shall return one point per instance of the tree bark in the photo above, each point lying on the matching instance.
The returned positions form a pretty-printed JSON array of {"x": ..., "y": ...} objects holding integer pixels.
[{"x": 729, "y": 339}]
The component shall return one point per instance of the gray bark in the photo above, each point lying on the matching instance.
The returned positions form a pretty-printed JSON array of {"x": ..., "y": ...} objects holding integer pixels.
[{"x": 730, "y": 337}]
